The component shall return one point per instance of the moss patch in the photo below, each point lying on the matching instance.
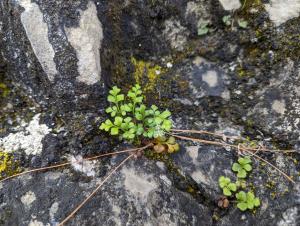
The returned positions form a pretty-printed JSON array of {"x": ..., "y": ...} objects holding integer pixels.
[
  {"x": 146, "y": 73},
  {"x": 8, "y": 165},
  {"x": 4, "y": 91}
]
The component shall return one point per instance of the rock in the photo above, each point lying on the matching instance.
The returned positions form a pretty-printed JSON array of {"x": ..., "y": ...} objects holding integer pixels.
[
  {"x": 60, "y": 64},
  {"x": 134, "y": 195},
  {"x": 282, "y": 11},
  {"x": 63, "y": 56}
]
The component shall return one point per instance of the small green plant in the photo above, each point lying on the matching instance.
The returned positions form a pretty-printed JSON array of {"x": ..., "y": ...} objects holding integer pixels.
[
  {"x": 242, "y": 167},
  {"x": 203, "y": 28},
  {"x": 227, "y": 20},
  {"x": 242, "y": 23},
  {"x": 247, "y": 200},
  {"x": 132, "y": 119},
  {"x": 244, "y": 200},
  {"x": 227, "y": 186}
]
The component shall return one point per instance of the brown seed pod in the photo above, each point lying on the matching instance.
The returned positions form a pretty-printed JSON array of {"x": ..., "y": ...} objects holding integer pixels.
[
  {"x": 159, "y": 148},
  {"x": 223, "y": 202}
]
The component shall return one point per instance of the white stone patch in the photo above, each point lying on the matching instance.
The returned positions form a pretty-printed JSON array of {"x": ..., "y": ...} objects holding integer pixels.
[
  {"x": 29, "y": 139},
  {"x": 211, "y": 78},
  {"x": 279, "y": 106},
  {"x": 37, "y": 33},
  {"x": 35, "y": 223},
  {"x": 161, "y": 165},
  {"x": 281, "y": 11},
  {"x": 139, "y": 185},
  {"x": 280, "y": 161},
  {"x": 175, "y": 33},
  {"x": 116, "y": 210},
  {"x": 225, "y": 95},
  {"x": 28, "y": 199},
  {"x": 53, "y": 211},
  {"x": 86, "y": 40},
  {"x": 199, "y": 177},
  {"x": 81, "y": 165},
  {"x": 165, "y": 179},
  {"x": 289, "y": 217},
  {"x": 230, "y": 4},
  {"x": 192, "y": 151}
]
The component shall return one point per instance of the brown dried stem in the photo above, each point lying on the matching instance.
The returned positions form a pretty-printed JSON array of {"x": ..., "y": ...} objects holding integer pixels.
[
  {"x": 246, "y": 149},
  {"x": 95, "y": 191},
  {"x": 69, "y": 163}
]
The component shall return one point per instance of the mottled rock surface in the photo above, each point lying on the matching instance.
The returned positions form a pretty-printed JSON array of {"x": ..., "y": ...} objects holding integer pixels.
[{"x": 59, "y": 58}]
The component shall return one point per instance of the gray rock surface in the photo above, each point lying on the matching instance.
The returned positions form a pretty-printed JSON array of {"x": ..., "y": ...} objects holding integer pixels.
[{"x": 58, "y": 59}]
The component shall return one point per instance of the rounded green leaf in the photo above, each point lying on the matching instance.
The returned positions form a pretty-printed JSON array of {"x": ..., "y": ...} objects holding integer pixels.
[
  {"x": 241, "y": 196},
  {"x": 120, "y": 97},
  {"x": 250, "y": 196},
  {"x": 222, "y": 182},
  {"x": 111, "y": 99},
  {"x": 256, "y": 202},
  {"x": 118, "y": 121},
  {"x": 226, "y": 191},
  {"x": 242, "y": 206},
  {"x": 232, "y": 186},
  {"x": 157, "y": 120},
  {"x": 244, "y": 161},
  {"x": 250, "y": 205},
  {"x": 154, "y": 108},
  {"x": 247, "y": 167},
  {"x": 108, "y": 110},
  {"x": 242, "y": 173},
  {"x": 165, "y": 114},
  {"x": 114, "y": 131},
  {"x": 102, "y": 126},
  {"x": 236, "y": 167}
]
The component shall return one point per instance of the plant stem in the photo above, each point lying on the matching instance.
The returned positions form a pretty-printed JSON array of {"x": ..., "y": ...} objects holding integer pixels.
[
  {"x": 95, "y": 191},
  {"x": 69, "y": 163},
  {"x": 248, "y": 150}
]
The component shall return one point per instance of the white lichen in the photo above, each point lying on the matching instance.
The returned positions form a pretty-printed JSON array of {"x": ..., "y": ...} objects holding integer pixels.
[
  {"x": 36, "y": 223},
  {"x": 81, "y": 165},
  {"x": 175, "y": 33},
  {"x": 28, "y": 199},
  {"x": 138, "y": 185},
  {"x": 289, "y": 218},
  {"x": 211, "y": 78},
  {"x": 53, "y": 210},
  {"x": 28, "y": 139},
  {"x": 279, "y": 106}
]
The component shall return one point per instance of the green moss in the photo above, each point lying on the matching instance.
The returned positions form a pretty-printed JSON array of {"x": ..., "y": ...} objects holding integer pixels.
[
  {"x": 146, "y": 73},
  {"x": 8, "y": 166},
  {"x": 4, "y": 91}
]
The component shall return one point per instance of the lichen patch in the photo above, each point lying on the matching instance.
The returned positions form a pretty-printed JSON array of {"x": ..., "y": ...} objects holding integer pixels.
[
  {"x": 211, "y": 78},
  {"x": 28, "y": 139},
  {"x": 139, "y": 185},
  {"x": 28, "y": 199},
  {"x": 279, "y": 106}
]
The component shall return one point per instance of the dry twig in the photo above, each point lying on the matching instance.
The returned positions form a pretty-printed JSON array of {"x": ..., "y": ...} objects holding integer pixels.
[
  {"x": 245, "y": 149},
  {"x": 95, "y": 191},
  {"x": 69, "y": 163}
]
